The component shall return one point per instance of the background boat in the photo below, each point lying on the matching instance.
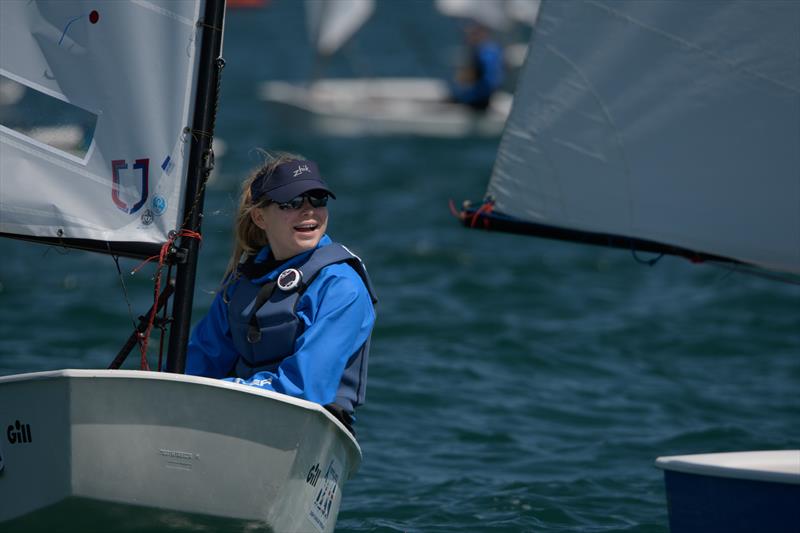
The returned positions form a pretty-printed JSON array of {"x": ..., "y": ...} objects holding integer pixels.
[
  {"x": 367, "y": 104},
  {"x": 387, "y": 106}
]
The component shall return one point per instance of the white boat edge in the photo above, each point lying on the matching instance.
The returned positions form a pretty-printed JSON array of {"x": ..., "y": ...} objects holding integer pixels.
[
  {"x": 185, "y": 378},
  {"x": 775, "y": 466}
]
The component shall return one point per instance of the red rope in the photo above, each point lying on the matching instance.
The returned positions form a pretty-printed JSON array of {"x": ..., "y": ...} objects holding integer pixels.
[
  {"x": 485, "y": 209},
  {"x": 144, "y": 337},
  {"x": 455, "y": 212}
]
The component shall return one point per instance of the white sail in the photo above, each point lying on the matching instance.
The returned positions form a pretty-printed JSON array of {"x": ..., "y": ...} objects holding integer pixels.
[
  {"x": 128, "y": 67},
  {"x": 674, "y": 122},
  {"x": 499, "y": 15},
  {"x": 332, "y": 22}
]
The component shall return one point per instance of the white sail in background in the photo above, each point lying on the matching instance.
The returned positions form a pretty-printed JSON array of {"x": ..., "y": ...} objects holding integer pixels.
[
  {"x": 128, "y": 68},
  {"x": 499, "y": 15},
  {"x": 675, "y": 122},
  {"x": 332, "y": 22}
]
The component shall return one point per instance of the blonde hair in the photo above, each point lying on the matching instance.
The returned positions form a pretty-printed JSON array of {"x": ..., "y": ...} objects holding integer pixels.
[{"x": 249, "y": 239}]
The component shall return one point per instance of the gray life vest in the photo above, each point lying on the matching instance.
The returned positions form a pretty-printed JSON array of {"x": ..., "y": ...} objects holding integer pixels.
[{"x": 264, "y": 323}]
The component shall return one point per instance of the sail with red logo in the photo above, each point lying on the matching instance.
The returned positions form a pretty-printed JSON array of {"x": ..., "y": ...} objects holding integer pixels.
[{"x": 107, "y": 114}]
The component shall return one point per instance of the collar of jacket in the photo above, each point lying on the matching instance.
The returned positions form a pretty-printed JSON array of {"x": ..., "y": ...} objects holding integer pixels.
[{"x": 254, "y": 269}]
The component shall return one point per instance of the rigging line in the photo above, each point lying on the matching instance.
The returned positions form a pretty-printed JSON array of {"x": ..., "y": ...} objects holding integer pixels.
[
  {"x": 483, "y": 212},
  {"x": 61, "y": 248},
  {"x": 648, "y": 262},
  {"x": 220, "y": 64},
  {"x": 189, "y": 131},
  {"x": 206, "y": 171},
  {"x": 202, "y": 24},
  {"x": 196, "y": 201},
  {"x": 166, "y": 249},
  {"x": 124, "y": 287},
  {"x": 66, "y": 28},
  {"x": 453, "y": 210},
  {"x": 115, "y": 257},
  {"x": 755, "y": 271},
  {"x": 163, "y": 324}
]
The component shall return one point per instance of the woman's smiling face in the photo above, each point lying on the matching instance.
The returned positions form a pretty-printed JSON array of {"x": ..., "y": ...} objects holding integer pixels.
[{"x": 291, "y": 231}]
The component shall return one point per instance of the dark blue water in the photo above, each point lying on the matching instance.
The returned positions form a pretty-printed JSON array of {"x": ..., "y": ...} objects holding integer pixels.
[{"x": 516, "y": 384}]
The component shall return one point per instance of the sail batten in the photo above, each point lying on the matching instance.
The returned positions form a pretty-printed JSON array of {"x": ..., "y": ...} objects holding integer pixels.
[{"x": 664, "y": 122}]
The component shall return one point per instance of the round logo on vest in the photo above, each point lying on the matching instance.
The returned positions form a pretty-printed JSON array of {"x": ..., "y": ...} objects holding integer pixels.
[{"x": 289, "y": 279}]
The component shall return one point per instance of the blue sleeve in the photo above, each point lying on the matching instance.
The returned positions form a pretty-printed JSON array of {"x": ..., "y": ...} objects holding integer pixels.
[
  {"x": 211, "y": 351},
  {"x": 338, "y": 315}
]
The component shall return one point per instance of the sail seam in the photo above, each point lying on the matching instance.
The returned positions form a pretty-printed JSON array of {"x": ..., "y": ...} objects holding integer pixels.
[
  {"x": 165, "y": 12},
  {"x": 611, "y": 123},
  {"x": 694, "y": 46}
]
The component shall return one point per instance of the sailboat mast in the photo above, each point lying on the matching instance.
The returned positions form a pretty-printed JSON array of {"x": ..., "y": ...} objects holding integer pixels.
[{"x": 199, "y": 168}]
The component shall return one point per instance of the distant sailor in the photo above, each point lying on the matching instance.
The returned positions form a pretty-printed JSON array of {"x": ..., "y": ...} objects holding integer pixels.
[
  {"x": 475, "y": 83},
  {"x": 296, "y": 310}
]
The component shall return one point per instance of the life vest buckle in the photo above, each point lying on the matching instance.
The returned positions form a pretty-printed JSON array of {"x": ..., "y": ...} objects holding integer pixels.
[{"x": 253, "y": 335}]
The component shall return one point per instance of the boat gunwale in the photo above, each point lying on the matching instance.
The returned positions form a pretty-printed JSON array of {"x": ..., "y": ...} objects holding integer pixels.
[
  {"x": 184, "y": 378},
  {"x": 745, "y": 465}
]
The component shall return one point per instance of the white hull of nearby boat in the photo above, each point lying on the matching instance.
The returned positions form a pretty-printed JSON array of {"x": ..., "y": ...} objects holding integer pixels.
[
  {"x": 388, "y": 106},
  {"x": 733, "y": 492},
  {"x": 100, "y": 450}
]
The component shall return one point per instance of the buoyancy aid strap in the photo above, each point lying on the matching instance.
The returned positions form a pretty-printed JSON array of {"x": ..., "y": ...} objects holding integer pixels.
[
  {"x": 252, "y": 270},
  {"x": 253, "y": 329},
  {"x": 328, "y": 255},
  {"x": 363, "y": 273},
  {"x": 319, "y": 259}
]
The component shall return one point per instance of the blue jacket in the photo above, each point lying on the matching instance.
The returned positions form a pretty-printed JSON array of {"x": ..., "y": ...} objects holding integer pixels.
[{"x": 336, "y": 314}]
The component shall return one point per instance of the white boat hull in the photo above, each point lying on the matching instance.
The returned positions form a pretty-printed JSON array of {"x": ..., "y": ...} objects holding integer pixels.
[
  {"x": 166, "y": 450},
  {"x": 387, "y": 106}
]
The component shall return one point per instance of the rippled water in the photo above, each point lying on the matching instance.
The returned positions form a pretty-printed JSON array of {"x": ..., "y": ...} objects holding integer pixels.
[{"x": 516, "y": 384}]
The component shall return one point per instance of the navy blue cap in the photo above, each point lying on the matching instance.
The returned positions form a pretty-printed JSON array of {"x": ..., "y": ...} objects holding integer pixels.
[{"x": 287, "y": 181}]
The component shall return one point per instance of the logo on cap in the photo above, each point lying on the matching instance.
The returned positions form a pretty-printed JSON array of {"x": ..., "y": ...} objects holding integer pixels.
[
  {"x": 289, "y": 279},
  {"x": 300, "y": 169}
]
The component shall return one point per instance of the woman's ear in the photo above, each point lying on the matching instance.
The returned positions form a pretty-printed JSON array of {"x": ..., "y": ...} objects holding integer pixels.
[{"x": 257, "y": 216}]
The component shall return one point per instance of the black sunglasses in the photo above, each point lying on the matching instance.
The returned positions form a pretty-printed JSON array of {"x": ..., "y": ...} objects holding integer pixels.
[{"x": 297, "y": 201}]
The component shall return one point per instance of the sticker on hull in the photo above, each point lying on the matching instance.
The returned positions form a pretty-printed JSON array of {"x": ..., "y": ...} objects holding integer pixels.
[{"x": 324, "y": 497}]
